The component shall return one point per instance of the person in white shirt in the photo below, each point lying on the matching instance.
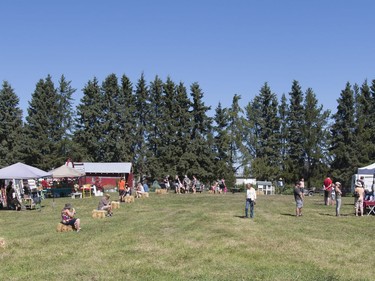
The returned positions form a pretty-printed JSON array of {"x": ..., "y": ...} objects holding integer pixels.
[{"x": 251, "y": 197}]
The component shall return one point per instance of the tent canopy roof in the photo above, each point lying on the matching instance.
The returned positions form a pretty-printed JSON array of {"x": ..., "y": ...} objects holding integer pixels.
[
  {"x": 65, "y": 171},
  {"x": 368, "y": 170},
  {"x": 22, "y": 171},
  {"x": 104, "y": 168}
]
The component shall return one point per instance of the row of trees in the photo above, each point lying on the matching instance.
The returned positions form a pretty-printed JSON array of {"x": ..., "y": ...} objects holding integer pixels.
[{"x": 164, "y": 128}]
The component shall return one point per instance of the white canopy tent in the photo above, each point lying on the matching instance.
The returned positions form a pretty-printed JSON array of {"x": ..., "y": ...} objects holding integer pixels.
[
  {"x": 65, "y": 171},
  {"x": 368, "y": 170},
  {"x": 22, "y": 171}
]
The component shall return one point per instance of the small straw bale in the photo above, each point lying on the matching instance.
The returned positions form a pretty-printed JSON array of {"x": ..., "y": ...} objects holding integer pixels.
[
  {"x": 129, "y": 199},
  {"x": 63, "y": 228},
  {"x": 2, "y": 242},
  {"x": 161, "y": 191},
  {"x": 115, "y": 204},
  {"x": 98, "y": 214}
]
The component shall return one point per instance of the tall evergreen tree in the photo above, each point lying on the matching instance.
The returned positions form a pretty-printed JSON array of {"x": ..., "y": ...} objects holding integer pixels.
[
  {"x": 65, "y": 146},
  {"x": 127, "y": 123},
  {"x": 154, "y": 141},
  {"x": 43, "y": 129},
  {"x": 201, "y": 137},
  {"x": 267, "y": 130},
  {"x": 283, "y": 116},
  {"x": 295, "y": 160},
  {"x": 238, "y": 153},
  {"x": 222, "y": 144},
  {"x": 364, "y": 119},
  {"x": 142, "y": 109},
  {"x": 342, "y": 149},
  {"x": 315, "y": 134},
  {"x": 89, "y": 123},
  {"x": 111, "y": 108},
  {"x": 11, "y": 126}
]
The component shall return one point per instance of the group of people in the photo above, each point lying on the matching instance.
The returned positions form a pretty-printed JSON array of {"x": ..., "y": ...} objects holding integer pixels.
[
  {"x": 332, "y": 194},
  {"x": 187, "y": 185},
  {"x": 68, "y": 212}
]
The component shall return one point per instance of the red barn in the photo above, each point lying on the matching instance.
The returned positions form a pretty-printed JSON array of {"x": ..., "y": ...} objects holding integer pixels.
[{"x": 104, "y": 175}]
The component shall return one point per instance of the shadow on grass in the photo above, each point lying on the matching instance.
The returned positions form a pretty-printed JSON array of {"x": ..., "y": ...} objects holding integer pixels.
[
  {"x": 290, "y": 215},
  {"x": 334, "y": 215},
  {"x": 241, "y": 217}
]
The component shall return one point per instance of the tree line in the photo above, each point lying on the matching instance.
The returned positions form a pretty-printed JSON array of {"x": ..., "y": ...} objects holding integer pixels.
[{"x": 164, "y": 128}]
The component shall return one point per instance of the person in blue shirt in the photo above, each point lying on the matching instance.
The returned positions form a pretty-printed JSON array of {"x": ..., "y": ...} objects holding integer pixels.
[{"x": 145, "y": 186}]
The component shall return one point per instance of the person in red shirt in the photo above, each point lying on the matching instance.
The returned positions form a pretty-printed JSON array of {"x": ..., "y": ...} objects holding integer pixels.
[{"x": 327, "y": 190}]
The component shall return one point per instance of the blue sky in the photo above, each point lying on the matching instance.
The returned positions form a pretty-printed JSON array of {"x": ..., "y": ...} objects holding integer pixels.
[{"x": 228, "y": 47}]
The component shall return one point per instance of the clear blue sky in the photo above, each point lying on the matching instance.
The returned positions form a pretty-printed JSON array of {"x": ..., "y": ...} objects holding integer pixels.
[{"x": 228, "y": 47}]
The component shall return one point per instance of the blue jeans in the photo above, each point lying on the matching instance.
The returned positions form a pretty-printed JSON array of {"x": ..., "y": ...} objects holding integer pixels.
[{"x": 249, "y": 203}]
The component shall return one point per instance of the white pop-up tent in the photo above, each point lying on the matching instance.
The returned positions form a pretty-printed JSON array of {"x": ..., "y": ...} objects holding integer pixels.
[
  {"x": 22, "y": 171},
  {"x": 368, "y": 170}
]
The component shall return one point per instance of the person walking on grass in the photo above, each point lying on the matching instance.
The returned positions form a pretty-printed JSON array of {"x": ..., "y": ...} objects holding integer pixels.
[
  {"x": 251, "y": 196},
  {"x": 338, "y": 198},
  {"x": 298, "y": 197}
]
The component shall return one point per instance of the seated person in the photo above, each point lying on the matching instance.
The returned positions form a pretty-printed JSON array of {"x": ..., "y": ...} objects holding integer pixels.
[
  {"x": 67, "y": 217},
  {"x": 140, "y": 190},
  {"x": 105, "y": 204}
]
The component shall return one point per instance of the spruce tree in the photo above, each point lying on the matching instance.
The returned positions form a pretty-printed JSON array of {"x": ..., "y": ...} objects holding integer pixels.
[
  {"x": 65, "y": 146},
  {"x": 111, "y": 108},
  {"x": 201, "y": 144},
  {"x": 43, "y": 128},
  {"x": 316, "y": 135},
  {"x": 295, "y": 122},
  {"x": 127, "y": 123},
  {"x": 154, "y": 141},
  {"x": 222, "y": 145},
  {"x": 142, "y": 109},
  {"x": 364, "y": 119},
  {"x": 267, "y": 130},
  {"x": 11, "y": 126},
  {"x": 342, "y": 144},
  {"x": 89, "y": 123}
]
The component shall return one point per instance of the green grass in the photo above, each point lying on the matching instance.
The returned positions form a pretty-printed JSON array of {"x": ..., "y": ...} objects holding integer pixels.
[{"x": 189, "y": 237}]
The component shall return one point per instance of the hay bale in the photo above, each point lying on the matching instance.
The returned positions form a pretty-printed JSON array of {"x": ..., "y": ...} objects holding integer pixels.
[
  {"x": 2, "y": 242},
  {"x": 129, "y": 199},
  {"x": 63, "y": 228},
  {"x": 144, "y": 195},
  {"x": 115, "y": 204},
  {"x": 98, "y": 214},
  {"x": 161, "y": 191}
]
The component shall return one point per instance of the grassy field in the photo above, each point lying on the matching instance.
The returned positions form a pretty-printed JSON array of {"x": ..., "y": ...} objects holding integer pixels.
[{"x": 190, "y": 237}]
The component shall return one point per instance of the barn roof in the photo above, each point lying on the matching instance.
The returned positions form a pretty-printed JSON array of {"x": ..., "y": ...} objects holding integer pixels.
[{"x": 103, "y": 168}]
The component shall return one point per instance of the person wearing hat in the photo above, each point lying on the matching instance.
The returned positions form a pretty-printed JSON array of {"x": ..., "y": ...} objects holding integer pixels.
[
  {"x": 105, "y": 204},
  {"x": 338, "y": 197},
  {"x": 359, "y": 192},
  {"x": 67, "y": 217}
]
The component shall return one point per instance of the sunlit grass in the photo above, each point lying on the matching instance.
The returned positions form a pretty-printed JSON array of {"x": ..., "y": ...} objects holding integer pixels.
[{"x": 189, "y": 237}]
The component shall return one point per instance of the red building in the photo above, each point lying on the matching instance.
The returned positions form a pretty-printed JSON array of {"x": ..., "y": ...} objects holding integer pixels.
[{"x": 104, "y": 175}]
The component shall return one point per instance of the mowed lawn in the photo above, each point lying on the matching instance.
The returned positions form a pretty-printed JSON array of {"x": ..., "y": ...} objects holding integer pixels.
[{"x": 190, "y": 237}]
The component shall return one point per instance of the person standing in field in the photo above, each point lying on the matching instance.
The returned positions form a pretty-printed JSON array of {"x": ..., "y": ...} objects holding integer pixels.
[
  {"x": 338, "y": 198},
  {"x": 251, "y": 196},
  {"x": 121, "y": 189},
  {"x": 327, "y": 190},
  {"x": 360, "y": 193},
  {"x": 298, "y": 198}
]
